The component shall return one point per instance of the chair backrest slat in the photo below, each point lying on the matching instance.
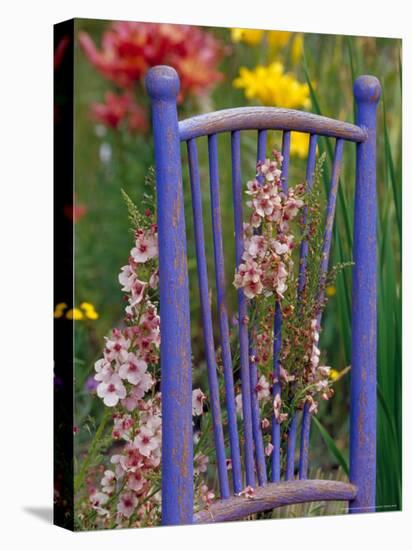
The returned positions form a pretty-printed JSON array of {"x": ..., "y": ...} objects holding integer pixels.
[
  {"x": 222, "y": 312},
  {"x": 304, "y": 442},
  {"x": 286, "y": 158},
  {"x": 306, "y": 417},
  {"x": 237, "y": 189},
  {"x": 207, "y": 318},
  {"x": 261, "y": 144},
  {"x": 277, "y": 343},
  {"x": 327, "y": 239},
  {"x": 310, "y": 169},
  {"x": 276, "y": 391},
  {"x": 330, "y": 215},
  {"x": 290, "y": 458},
  {"x": 256, "y": 424},
  {"x": 256, "y": 420}
]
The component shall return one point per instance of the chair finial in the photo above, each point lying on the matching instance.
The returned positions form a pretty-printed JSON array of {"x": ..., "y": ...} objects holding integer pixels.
[
  {"x": 367, "y": 89},
  {"x": 162, "y": 82}
]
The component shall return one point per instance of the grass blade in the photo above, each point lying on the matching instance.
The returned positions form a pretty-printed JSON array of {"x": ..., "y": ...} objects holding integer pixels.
[{"x": 331, "y": 445}]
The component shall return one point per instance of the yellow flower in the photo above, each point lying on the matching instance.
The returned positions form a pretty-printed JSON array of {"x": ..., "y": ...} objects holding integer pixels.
[
  {"x": 330, "y": 291},
  {"x": 297, "y": 48},
  {"x": 279, "y": 39},
  {"x": 75, "y": 314},
  {"x": 89, "y": 310},
  {"x": 249, "y": 36},
  {"x": 59, "y": 309},
  {"x": 334, "y": 374},
  {"x": 272, "y": 86},
  {"x": 299, "y": 144},
  {"x": 92, "y": 314}
]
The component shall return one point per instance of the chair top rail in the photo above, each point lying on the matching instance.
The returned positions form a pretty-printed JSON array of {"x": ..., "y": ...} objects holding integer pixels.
[
  {"x": 267, "y": 118},
  {"x": 275, "y": 495}
]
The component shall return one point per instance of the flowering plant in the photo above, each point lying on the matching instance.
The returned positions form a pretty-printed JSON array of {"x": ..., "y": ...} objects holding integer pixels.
[
  {"x": 280, "y": 219},
  {"x": 125, "y": 491}
]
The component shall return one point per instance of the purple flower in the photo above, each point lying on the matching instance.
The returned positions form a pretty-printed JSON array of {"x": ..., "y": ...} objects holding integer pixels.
[{"x": 91, "y": 384}]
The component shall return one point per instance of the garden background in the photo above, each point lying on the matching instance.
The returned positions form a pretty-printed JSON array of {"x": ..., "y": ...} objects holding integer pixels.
[{"x": 113, "y": 151}]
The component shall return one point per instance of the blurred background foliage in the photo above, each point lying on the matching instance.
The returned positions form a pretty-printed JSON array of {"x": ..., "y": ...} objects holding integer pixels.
[{"x": 113, "y": 150}]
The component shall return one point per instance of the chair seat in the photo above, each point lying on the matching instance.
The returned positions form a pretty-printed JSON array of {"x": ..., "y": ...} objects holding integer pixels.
[{"x": 274, "y": 495}]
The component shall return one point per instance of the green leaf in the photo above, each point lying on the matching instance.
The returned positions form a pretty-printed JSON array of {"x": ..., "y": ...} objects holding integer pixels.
[{"x": 331, "y": 445}]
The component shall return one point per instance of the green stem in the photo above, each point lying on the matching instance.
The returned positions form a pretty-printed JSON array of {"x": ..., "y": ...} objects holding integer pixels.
[{"x": 92, "y": 452}]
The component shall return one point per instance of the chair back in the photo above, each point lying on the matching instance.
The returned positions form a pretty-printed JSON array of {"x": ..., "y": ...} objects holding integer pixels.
[{"x": 162, "y": 84}]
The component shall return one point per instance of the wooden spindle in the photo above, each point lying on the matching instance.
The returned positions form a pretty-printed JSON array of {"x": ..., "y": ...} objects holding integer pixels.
[
  {"x": 242, "y": 311},
  {"x": 290, "y": 459},
  {"x": 306, "y": 418},
  {"x": 277, "y": 343},
  {"x": 223, "y": 314},
  {"x": 256, "y": 423},
  {"x": 207, "y": 318}
]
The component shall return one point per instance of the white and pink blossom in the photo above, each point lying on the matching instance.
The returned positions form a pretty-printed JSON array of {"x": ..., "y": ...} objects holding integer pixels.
[
  {"x": 127, "y": 503},
  {"x": 108, "y": 482},
  {"x": 111, "y": 391},
  {"x": 145, "y": 441},
  {"x": 145, "y": 249},
  {"x": 262, "y": 388},
  {"x": 132, "y": 369},
  {"x": 198, "y": 398}
]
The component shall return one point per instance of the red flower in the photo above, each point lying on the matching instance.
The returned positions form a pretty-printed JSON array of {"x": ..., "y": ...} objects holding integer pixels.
[
  {"x": 129, "y": 49},
  {"x": 118, "y": 108},
  {"x": 60, "y": 51},
  {"x": 74, "y": 212}
]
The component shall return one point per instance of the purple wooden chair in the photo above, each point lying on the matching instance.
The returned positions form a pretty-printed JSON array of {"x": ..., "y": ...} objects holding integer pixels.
[{"x": 162, "y": 84}]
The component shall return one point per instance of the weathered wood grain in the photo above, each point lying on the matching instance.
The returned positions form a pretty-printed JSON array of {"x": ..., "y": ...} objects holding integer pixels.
[
  {"x": 275, "y": 495},
  {"x": 267, "y": 118},
  {"x": 367, "y": 91}
]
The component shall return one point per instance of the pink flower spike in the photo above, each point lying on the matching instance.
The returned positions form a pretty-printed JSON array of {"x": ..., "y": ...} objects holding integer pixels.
[
  {"x": 198, "y": 397},
  {"x": 127, "y": 504},
  {"x": 108, "y": 482},
  {"x": 248, "y": 492},
  {"x": 111, "y": 391},
  {"x": 132, "y": 369},
  {"x": 135, "y": 481},
  {"x": 201, "y": 462},
  {"x": 262, "y": 388},
  {"x": 145, "y": 249},
  {"x": 97, "y": 501},
  {"x": 277, "y": 407},
  {"x": 103, "y": 371},
  {"x": 206, "y": 495},
  {"x": 126, "y": 278},
  {"x": 145, "y": 441}
]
